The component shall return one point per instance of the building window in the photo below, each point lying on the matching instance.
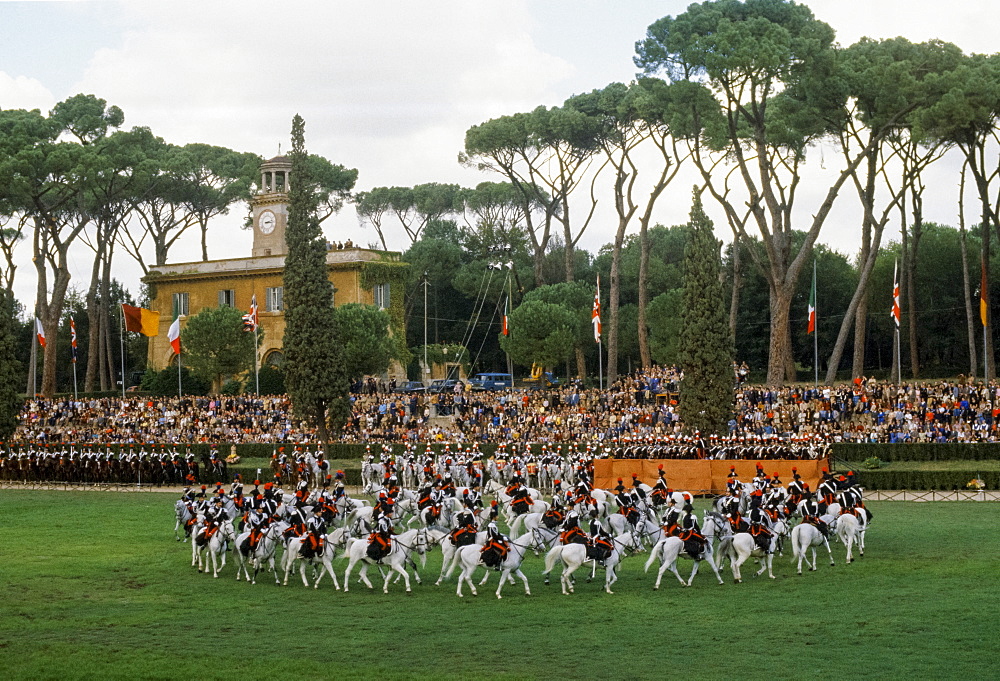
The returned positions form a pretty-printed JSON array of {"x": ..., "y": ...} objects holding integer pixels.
[
  {"x": 181, "y": 306},
  {"x": 275, "y": 358},
  {"x": 381, "y": 296},
  {"x": 227, "y": 298},
  {"x": 275, "y": 301}
]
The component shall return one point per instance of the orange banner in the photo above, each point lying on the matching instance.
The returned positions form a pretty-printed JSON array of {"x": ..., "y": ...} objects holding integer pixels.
[{"x": 702, "y": 477}]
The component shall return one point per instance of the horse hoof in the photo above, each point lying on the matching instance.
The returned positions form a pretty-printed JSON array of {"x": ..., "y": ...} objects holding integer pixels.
[{"x": 656, "y": 588}]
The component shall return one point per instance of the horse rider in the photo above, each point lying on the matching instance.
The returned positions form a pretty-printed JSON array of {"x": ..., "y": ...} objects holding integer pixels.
[
  {"x": 472, "y": 498},
  {"x": 733, "y": 481},
  {"x": 659, "y": 494},
  {"x": 380, "y": 540},
  {"x": 215, "y": 515},
  {"x": 810, "y": 510},
  {"x": 297, "y": 518},
  {"x": 827, "y": 490},
  {"x": 315, "y": 534},
  {"x": 424, "y": 494},
  {"x": 601, "y": 543},
  {"x": 554, "y": 516},
  {"x": 796, "y": 492},
  {"x": 671, "y": 519},
  {"x": 571, "y": 532},
  {"x": 694, "y": 540},
  {"x": 495, "y": 549},
  {"x": 520, "y": 500},
  {"x": 638, "y": 492},
  {"x": 257, "y": 522},
  {"x": 626, "y": 506},
  {"x": 759, "y": 523},
  {"x": 237, "y": 487},
  {"x": 853, "y": 493},
  {"x": 338, "y": 486}
]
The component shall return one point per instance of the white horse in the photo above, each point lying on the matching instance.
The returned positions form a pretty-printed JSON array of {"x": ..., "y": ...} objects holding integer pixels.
[
  {"x": 470, "y": 558},
  {"x": 575, "y": 555},
  {"x": 849, "y": 530},
  {"x": 323, "y": 560},
  {"x": 402, "y": 547},
  {"x": 741, "y": 546},
  {"x": 264, "y": 552},
  {"x": 449, "y": 552},
  {"x": 669, "y": 549},
  {"x": 216, "y": 547},
  {"x": 530, "y": 521},
  {"x": 182, "y": 515},
  {"x": 804, "y": 537}
]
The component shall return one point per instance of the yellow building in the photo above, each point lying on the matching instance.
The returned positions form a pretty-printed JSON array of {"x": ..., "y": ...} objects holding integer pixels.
[{"x": 359, "y": 275}]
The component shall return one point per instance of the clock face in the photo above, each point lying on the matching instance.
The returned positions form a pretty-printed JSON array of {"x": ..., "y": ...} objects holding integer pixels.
[{"x": 266, "y": 222}]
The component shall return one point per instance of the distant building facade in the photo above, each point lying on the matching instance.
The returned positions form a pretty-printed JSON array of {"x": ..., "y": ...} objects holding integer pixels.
[{"x": 185, "y": 289}]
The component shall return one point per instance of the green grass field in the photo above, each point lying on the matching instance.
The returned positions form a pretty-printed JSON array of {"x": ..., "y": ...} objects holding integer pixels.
[{"x": 95, "y": 587}]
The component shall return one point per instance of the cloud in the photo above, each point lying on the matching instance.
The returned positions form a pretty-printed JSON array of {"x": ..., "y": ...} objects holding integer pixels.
[{"x": 20, "y": 92}]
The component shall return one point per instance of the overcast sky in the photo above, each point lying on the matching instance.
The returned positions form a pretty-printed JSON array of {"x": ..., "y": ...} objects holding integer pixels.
[{"x": 388, "y": 87}]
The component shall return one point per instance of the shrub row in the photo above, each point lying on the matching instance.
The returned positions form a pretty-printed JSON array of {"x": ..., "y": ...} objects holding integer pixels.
[
  {"x": 925, "y": 480},
  {"x": 935, "y": 451}
]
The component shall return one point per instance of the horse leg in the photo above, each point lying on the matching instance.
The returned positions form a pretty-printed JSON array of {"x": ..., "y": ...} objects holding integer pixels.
[
  {"x": 347, "y": 574},
  {"x": 735, "y": 564},
  {"x": 567, "y": 577},
  {"x": 401, "y": 569},
  {"x": 694, "y": 571},
  {"x": 289, "y": 563},
  {"x": 715, "y": 568},
  {"x": 362, "y": 576},
  {"x": 828, "y": 550},
  {"x": 610, "y": 577}
]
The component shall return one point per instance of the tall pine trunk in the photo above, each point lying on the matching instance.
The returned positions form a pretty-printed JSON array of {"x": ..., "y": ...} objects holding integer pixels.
[{"x": 645, "y": 357}]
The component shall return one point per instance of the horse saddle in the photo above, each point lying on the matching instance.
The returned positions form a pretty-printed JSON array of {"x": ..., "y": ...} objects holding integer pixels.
[
  {"x": 462, "y": 538},
  {"x": 520, "y": 505},
  {"x": 376, "y": 552},
  {"x": 597, "y": 551},
  {"x": 551, "y": 521},
  {"x": 694, "y": 547}
]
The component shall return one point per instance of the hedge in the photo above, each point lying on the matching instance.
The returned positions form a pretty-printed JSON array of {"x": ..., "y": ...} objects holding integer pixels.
[
  {"x": 929, "y": 451},
  {"x": 924, "y": 480}
]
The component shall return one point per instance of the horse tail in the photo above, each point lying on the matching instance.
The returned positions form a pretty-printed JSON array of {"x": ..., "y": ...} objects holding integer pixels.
[
  {"x": 515, "y": 527},
  {"x": 798, "y": 543},
  {"x": 653, "y": 554},
  {"x": 551, "y": 557}
]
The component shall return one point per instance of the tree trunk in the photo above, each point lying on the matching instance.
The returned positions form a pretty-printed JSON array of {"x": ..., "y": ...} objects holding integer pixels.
[
  {"x": 203, "y": 223},
  {"x": 969, "y": 315},
  {"x": 780, "y": 354},
  {"x": 106, "y": 327},
  {"x": 989, "y": 369},
  {"x": 581, "y": 362},
  {"x": 734, "y": 301},
  {"x": 645, "y": 357},
  {"x": 613, "y": 298},
  {"x": 93, "y": 356},
  {"x": 916, "y": 230}
]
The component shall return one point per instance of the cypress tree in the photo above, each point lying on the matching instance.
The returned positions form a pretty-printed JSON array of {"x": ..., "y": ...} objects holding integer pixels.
[
  {"x": 314, "y": 367},
  {"x": 706, "y": 348},
  {"x": 10, "y": 402}
]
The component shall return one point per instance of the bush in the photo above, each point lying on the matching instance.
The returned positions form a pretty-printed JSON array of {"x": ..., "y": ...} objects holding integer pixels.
[
  {"x": 272, "y": 380},
  {"x": 231, "y": 387},
  {"x": 931, "y": 451},
  {"x": 872, "y": 463},
  {"x": 165, "y": 382}
]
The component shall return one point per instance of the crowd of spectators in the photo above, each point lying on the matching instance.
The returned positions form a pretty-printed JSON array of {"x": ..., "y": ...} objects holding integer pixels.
[{"x": 640, "y": 406}]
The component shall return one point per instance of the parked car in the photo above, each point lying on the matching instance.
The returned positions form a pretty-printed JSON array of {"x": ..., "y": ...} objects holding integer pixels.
[
  {"x": 411, "y": 387},
  {"x": 492, "y": 381},
  {"x": 442, "y": 385}
]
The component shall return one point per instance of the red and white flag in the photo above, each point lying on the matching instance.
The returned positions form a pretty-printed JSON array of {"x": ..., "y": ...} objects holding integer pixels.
[
  {"x": 40, "y": 331},
  {"x": 595, "y": 315},
  {"x": 506, "y": 312},
  {"x": 72, "y": 338},
  {"x": 895, "y": 294},
  {"x": 251, "y": 320},
  {"x": 174, "y": 336}
]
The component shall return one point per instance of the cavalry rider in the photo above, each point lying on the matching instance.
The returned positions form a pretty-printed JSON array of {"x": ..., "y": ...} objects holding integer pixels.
[
  {"x": 380, "y": 540},
  {"x": 302, "y": 488},
  {"x": 626, "y": 504},
  {"x": 257, "y": 522},
  {"x": 601, "y": 543},
  {"x": 810, "y": 510},
  {"x": 472, "y": 498},
  {"x": 338, "y": 486},
  {"x": 315, "y": 534},
  {"x": 448, "y": 486},
  {"x": 671, "y": 518},
  {"x": 759, "y": 523},
  {"x": 465, "y": 528},
  {"x": 425, "y": 494},
  {"x": 659, "y": 493},
  {"x": 495, "y": 549},
  {"x": 796, "y": 492},
  {"x": 384, "y": 507},
  {"x": 554, "y": 516},
  {"x": 572, "y": 534},
  {"x": 296, "y": 521},
  {"x": 694, "y": 540},
  {"x": 760, "y": 478},
  {"x": 236, "y": 489},
  {"x": 733, "y": 481},
  {"x": 214, "y": 517},
  {"x": 520, "y": 499},
  {"x": 637, "y": 491},
  {"x": 853, "y": 492},
  {"x": 827, "y": 491}
]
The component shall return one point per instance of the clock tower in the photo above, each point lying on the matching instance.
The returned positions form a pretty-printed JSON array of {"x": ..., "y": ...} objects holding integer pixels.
[{"x": 270, "y": 208}]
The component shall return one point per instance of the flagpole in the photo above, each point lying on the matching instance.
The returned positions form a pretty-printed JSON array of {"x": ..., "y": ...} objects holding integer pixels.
[
  {"x": 76, "y": 397},
  {"x": 121, "y": 339},
  {"x": 600, "y": 364},
  {"x": 179, "y": 374},
  {"x": 256, "y": 359}
]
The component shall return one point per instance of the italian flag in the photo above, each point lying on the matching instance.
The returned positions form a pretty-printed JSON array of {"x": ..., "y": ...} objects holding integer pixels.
[
  {"x": 812, "y": 306},
  {"x": 505, "y": 329},
  {"x": 174, "y": 335}
]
